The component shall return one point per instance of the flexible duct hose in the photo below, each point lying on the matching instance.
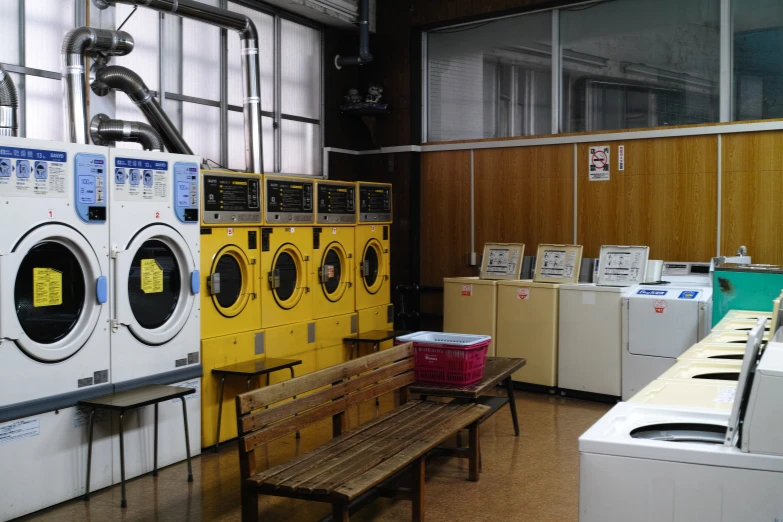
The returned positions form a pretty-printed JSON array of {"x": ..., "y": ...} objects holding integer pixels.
[
  {"x": 9, "y": 105},
  {"x": 106, "y": 131},
  {"x": 127, "y": 81},
  {"x": 75, "y": 44}
]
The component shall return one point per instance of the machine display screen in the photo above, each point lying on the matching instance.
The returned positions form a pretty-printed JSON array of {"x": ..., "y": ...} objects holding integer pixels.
[
  {"x": 374, "y": 199},
  {"x": 336, "y": 199},
  {"x": 231, "y": 193},
  {"x": 289, "y": 196}
]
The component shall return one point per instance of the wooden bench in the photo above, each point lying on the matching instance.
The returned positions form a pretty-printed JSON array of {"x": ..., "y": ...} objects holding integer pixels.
[{"x": 356, "y": 461}]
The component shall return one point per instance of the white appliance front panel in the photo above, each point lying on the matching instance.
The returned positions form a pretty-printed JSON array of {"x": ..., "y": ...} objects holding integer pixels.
[
  {"x": 641, "y": 370},
  {"x": 661, "y": 324}
]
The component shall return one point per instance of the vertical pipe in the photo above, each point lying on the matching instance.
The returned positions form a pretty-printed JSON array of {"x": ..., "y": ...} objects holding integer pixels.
[
  {"x": 278, "y": 109},
  {"x": 557, "y": 74},
  {"x": 514, "y": 101},
  {"x": 720, "y": 194},
  {"x": 22, "y": 77},
  {"x": 576, "y": 196},
  {"x": 424, "y": 89},
  {"x": 162, "y": 60},
  {"x": 223, "y": 92},
  {"x": 726, "y": 61},
  {"x": 472, "y": 210}
]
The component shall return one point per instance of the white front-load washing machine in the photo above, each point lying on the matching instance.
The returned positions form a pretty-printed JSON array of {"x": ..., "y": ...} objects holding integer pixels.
[
  {"x": 154, "y": 235},
  {"x": 54, "y": 318}
]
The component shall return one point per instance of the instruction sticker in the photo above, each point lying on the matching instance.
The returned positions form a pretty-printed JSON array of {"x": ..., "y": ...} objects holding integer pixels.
[
  {"x": 27, "y": 172},
  {"x": 523, "y": 293},
  {"x": 467, "y": 290},
  {"x": 151, "y": 277},
  {"x": 621, "y": 157},
  {"x": 502, "y": 262},
  {"x": 195, "y": 384},
  {"x": 599, "y": 163},
  {"x": 726, "y": 394},
  {"x": 623, "y": 266},
  {"x": 47, "y": 287},
  {"x": 558, "y": 264},
  {"x": 141, "y": 180},
  {"x": 18, "y": 430}
]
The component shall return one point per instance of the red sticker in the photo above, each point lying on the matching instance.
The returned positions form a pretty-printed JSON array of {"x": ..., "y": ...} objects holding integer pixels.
[
  {"x": 467, "y": 290},
  {"x": 660, "y": 306},
  {"x": 523, "y": 293}
]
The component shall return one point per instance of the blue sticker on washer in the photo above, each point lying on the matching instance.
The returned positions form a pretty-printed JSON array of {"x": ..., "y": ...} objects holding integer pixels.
[
  {"x": 652, "y": 292},
  {"x": 90, "y": 187},
  {"x": 186, "y": 191},
  {"x": 688, "y": 294}
]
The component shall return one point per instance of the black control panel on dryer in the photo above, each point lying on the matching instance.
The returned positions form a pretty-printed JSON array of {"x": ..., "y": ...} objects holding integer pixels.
[
  {"x": 375, "y": 203},
  {"x": 289, "y": 200},
  {"x": 336, "y": 203}
]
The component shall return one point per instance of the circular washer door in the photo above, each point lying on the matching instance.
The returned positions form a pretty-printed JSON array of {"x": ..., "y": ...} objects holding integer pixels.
[
  {"x": 334, "y": 262},
  {"x": 287, "y": 276},
  {"x": 233, "y": 266},
  {"x": 152, "y": 282},
  {"x": 372, "y": 269},
  {"x": 53, "y": 271}
]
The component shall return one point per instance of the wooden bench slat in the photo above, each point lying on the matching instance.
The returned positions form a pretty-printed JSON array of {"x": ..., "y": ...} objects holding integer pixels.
[
  {"x": 380, "y": 450},
  {"x": 370, "y": 445},
  {"x": 361, "y": 436},
  {"x": 257, "y": 399},
  {"x": 358, "y": 485},
  {"x": 266, "y": 435},
  {"x": 276, "y": 413},
  {"x": 354, "y": 435}
]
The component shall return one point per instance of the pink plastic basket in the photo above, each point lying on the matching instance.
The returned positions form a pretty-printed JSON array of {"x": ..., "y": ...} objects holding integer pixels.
[{"x": 445, "y": 358}]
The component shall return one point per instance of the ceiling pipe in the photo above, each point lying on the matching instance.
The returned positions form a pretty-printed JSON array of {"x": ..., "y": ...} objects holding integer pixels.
[
  {"x": 251, "y": 67},
  {"x": 364, "y": 40},
  {"x": 9, "y": 105},
  {"x": 76, "y": 44},
  {"x": 105, "y": 131},
  {"x": 110, "y": 77}
]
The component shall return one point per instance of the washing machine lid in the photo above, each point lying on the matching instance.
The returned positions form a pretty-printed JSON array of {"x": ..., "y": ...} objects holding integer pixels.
[
  {"x": 745, "y": 382},
  {"x": 155, "y": 283},
  {"x": 51, "y": 292},
  {"x": 715, "y": 395}
]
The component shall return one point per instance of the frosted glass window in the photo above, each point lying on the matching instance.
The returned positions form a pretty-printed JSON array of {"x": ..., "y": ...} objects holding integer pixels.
[
  {"x": 201, "y": 129},
  {"x": 44, "y": 113},
  {"x": 264, "y": 24},
  {"x": 9, "y": 32},
  {"x": 301, "y": 148},
  {"x": 173, "y": 109},
  {"x": 173, "y": 58},
  {"x": 491, "y": 79},
  {"x": 648, "y": 64},
  {"x": 143, "y": 26},
  {"x": 301, "y": 70},
  {"x": 46, "y": 22},
  {"x": 758, "y": 59},
  {"x": 236, "y": 142},
  {"x": 201, "y": 58}
]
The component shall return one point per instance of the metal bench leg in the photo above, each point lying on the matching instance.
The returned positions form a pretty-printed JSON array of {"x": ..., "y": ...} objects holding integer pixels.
[
  {"x": 124, "y": 503},
  {"x": 187, "y": 437},
  {"x": 473, "y": 434},
  {"x": 248, "y": 383},
  {"x": 512, "y": 405},
  {"x": 293, "y": 375},
  {"x": 340, "y": 513},
  {"x": 89, "y": 457},
  {"x": 377, "y": 348},
  {"x": 418, "y": 490},
  {"x": 220, "y": 413},
  {"x": 155, "y": 462}
]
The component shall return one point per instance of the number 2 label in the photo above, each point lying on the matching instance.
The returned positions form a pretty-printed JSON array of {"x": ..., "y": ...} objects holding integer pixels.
[{"x": 157, "y": 215}]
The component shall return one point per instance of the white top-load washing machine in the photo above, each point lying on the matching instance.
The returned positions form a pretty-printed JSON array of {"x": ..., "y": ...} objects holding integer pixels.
[
  {"x": 660, "y": 322},
  {"x": 669, "y": 463},
  {"x": 154, "y": 232},
  {"x": 590, "y": 329},
  {"x": 54, "y": 246}
]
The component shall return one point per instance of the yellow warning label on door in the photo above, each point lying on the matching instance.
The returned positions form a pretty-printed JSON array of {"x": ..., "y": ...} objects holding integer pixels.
[
  {"x": 151, "y": 277},
  {"x": 47, "y": 287}
]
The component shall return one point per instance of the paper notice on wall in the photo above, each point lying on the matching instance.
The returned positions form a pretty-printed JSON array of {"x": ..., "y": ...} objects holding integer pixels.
[
  {"x": 502, "y": 262},
  {"x": 20, "y": 429},
  {"x": 599, "y": 163},
  {"x": 151, "y": 277},
  {"x": 558, "y": 264},
  {"x": 623, "y": 266},
  {"x": 621, "y": 157},
  {"x": 193, "y": 383},
  {"x": 47, "y": 287},
  {"x": 726, "y": 394}
]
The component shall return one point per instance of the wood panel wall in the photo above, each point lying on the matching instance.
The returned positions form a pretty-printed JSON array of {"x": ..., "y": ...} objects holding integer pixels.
[{"x": 752, "y": 186}]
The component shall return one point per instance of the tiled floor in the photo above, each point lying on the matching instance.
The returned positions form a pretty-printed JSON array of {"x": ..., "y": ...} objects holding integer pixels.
[{"x": 533, "y": 478}]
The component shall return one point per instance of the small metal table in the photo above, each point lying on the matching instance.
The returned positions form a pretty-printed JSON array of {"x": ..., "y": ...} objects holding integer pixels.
[
  {"x": 374, "y": 337},
  {"x": 250, "y": 369},
  {"x": 496, "y": 370},
  {"x": 131, "y": 400}
]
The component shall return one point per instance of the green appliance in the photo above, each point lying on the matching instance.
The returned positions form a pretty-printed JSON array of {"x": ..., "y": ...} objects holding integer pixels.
[{"x": 744, "y": 287}]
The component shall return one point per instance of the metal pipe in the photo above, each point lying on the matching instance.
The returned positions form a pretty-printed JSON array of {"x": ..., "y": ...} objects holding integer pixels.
[
  {"x": 364, "y": 40},
  {"x": 251, "y": 67},
  {"x": 9, "y": 105},
  {"x": 75, "y": 44},
  {"x": 106, "y": 131},
  {"x": 123, "y": 79}
]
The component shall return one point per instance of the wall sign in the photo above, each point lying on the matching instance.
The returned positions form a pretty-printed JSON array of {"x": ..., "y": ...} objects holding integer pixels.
[{"x": 599, "y": 163}]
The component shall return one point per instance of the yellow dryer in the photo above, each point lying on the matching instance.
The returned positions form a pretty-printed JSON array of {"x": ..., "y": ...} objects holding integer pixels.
[
  {"x": 287, "y": 250},
  {"x": 230, "y": 303},
  {"x": 372, "y": 245},
  {"x": 333, "y": 249}
]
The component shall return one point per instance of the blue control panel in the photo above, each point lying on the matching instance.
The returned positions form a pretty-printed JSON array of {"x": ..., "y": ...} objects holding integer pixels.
[
  {"x": 90, "y": 187},
  {"x": 186, "y": 192}
]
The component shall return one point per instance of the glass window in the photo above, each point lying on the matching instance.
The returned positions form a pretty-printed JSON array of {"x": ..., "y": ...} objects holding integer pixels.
[
  {"x": 301, "y": 70},
  {"x": 44, "y": 114},
  {"x": 9, "y": 32},
  {"x": 758, "y": 61},
  {"x": 301, "y": 148},
  {"x": 201, "y": 129},
  {"x": 201, "y": 58},
  {"x": 636, "y": 63},
  {"x": 236, "y": 142},
  {"x": 265, "y": 26},
  {"x": 490, "y": 79},
  {"x": 46, "y": 22}
]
